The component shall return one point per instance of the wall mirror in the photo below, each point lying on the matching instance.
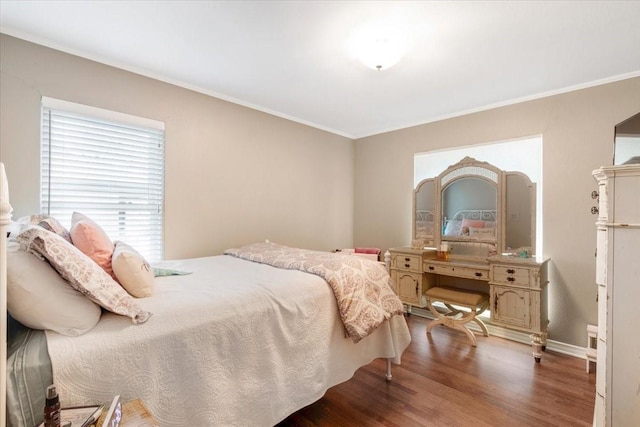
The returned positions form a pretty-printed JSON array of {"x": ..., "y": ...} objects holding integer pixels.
[
  {"x": 478, "y": 209},
  {"x": 469, "y": 200},
  {"x": 424, "y": 207},
  {"x": 627, "y": 141},
  {"x": 520, "y": 215},
  {"x": 469, "y": 210}
]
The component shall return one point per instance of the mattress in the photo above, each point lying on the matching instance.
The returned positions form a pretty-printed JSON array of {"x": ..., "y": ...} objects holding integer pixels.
[{"x": 234, "y": 343}]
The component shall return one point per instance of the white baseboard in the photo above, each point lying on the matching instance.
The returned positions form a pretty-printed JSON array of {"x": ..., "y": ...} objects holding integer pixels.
[{"x": 522, "y": 337}]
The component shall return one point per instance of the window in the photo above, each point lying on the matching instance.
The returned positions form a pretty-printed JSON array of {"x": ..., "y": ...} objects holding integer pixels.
[
  {"x": 108, "y": 166},
  {"x": 523, "y": 155}
]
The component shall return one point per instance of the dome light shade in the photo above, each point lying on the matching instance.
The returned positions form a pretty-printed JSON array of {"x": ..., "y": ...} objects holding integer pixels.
[
  {"x": 376, "y": 47},
  {"x": 381, "y": 53}
]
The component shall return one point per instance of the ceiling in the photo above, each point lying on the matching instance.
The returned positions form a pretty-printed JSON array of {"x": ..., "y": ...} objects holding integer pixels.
[{"x": 292, "y": 58}]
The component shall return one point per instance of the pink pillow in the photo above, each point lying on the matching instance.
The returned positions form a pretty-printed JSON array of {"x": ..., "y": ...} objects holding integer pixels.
[
  {"x": 475, "y": 223},
  {"x": 92, "y": 241}
]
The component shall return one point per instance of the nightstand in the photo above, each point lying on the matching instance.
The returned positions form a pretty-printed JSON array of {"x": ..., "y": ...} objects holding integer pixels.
[{"x": 134, "y": 414}]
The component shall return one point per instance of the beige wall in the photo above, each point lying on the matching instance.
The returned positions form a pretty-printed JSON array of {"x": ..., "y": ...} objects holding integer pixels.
[
  {"x": 233, "y": 175},
  {"x": 577, "y": 130}
]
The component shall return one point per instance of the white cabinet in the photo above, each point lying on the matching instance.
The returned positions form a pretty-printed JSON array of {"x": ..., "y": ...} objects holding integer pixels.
[{"x": 618, "y": 280}]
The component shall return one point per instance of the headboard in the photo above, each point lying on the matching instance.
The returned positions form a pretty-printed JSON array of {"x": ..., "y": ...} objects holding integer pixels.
[
  {"x": 424, "y": 215},
  {"x": 475, "y": 214},
  {"x": 5, "y": 219},
  {"x": 424, "y": 224}
]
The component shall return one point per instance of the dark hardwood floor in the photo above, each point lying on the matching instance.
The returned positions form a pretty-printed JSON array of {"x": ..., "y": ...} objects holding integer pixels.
[{"x": 443, "y": 381}]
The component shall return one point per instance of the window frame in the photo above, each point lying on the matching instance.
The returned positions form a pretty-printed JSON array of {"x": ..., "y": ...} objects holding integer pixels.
[{"x": 96, "y": 162}]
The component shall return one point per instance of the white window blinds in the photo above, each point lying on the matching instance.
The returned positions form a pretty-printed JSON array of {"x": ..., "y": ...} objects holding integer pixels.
[{"x": 107, "y": 166}]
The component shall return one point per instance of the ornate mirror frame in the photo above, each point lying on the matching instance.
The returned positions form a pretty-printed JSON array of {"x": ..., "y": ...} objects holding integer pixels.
[{"x": 512, "y": 217}]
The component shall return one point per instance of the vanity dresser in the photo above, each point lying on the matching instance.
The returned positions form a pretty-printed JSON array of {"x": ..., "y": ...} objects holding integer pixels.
[
  {"x": 474, "y": 228},
  {"x": 618, "y": 279}
]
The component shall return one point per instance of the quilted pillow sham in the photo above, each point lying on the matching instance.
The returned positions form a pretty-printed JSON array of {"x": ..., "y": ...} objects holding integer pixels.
[
  {"x": 82, "y": 273},
  {"x": 39, "y": 298}
]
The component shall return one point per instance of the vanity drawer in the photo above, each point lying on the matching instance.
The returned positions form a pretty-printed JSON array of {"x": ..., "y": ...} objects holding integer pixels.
[
  {"x": 406, "y": 262},
  {"x": 510, "y": 275},
  {"x": 457, "y": 271}
]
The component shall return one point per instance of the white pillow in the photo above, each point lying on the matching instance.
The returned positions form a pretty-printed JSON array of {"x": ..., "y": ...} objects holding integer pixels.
[
  {"x": 39, "y": 298},
  {"x": 84, "y": 275},
  {"x": 453, "y": 228},
  {"x": 132, "y": 271}
]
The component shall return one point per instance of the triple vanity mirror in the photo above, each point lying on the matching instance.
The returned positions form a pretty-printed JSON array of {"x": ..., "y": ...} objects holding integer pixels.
[
  {"x": 474, "y": 228},
  {"x": 477, "y": 210}
]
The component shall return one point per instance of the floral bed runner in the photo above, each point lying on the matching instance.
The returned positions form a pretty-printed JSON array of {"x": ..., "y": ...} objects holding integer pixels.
[{"x": 363, "y": 288}]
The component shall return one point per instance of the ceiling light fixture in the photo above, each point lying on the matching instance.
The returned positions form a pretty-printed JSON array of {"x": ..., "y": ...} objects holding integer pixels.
[
  {"x": 377, "y": 48},
  {"x": 381, "y": 53}
]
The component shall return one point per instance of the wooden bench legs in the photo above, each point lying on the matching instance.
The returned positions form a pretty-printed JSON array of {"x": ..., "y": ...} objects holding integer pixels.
[{"x": 474, "y": 302}]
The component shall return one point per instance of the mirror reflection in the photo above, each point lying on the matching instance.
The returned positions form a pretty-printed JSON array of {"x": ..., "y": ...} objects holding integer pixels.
[
  {"x": 424, "y": 208},
  {"x": 520, "y": 216},
  {"x": 627, "y": 142},
  {"x": 477, "y": 209},
  {"x": 469, "y": 210}
]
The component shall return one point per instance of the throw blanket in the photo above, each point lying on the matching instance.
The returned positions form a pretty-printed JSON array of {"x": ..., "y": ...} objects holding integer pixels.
[{"x": 363, "y": 288}]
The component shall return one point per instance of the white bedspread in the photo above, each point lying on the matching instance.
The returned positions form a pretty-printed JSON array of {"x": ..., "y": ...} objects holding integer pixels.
[{"x": 236, "y": 343}]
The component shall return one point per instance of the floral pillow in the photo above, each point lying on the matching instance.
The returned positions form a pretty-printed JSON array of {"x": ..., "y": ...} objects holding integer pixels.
[
  {"x": 53, "y": 225},
  {"x": 45, "y": 221},
  {"x": 81, "y": 272}
]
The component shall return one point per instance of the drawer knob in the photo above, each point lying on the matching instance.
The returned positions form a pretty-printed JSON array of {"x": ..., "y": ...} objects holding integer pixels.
[
  {"x": 407, "y": 265},
  {"x": 407, "y": 259},
  {"x": 431, "y": 268},
  {"x": 511, "y": 279},
  {"x": 511, "y": 271},
  {"x": 478, "y": 274}
]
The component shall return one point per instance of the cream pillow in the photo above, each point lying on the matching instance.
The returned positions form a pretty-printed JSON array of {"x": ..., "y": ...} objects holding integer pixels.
[
  {"x": 39, "y": 298},
  {"x": 81, "y": 272},
  {"x": 92, "y": 240},
  {"x": 481, "y": 232},
  {"x": 132, "y": 271}
]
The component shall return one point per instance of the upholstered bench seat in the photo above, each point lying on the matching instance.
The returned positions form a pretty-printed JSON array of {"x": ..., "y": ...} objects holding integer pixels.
[{"x": 476, "y": 303}]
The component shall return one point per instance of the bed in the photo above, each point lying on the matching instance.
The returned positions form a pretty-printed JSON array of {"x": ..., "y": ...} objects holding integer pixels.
[
  {"x": 236, "y": 341},
  {"x": 476, "y": 224}
]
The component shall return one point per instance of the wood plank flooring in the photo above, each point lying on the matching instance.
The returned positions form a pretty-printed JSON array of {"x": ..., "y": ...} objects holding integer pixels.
[{"x": 443, "y": 381}]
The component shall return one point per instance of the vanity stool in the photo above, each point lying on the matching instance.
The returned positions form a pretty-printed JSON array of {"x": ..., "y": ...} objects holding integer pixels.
[{"x": 476, "y": 302}]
